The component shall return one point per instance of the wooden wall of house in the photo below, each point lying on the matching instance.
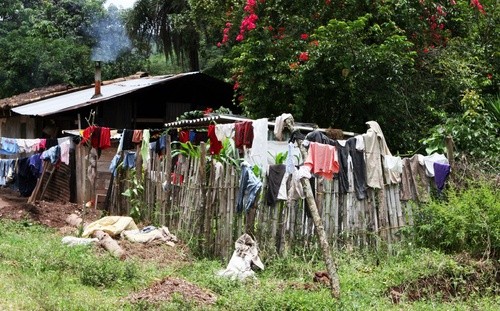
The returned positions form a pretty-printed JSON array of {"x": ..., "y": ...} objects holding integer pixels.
[
  {"x": 18, "y": 127},
  {"x": 85, "y": 189}
]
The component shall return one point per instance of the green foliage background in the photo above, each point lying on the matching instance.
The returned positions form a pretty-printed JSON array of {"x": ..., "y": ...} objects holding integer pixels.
[{"x": 409, "y": 65}]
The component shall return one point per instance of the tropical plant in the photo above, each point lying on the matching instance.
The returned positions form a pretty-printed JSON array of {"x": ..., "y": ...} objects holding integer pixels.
[{"x": 135, "y": 194}]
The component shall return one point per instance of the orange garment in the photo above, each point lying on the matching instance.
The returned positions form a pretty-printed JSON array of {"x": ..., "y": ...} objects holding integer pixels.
[
  {"x": 137, "y": 136},
  {"x": 322, "y": 160}
]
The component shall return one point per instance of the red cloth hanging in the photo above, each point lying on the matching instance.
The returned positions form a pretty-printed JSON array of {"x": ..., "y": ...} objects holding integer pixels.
[
  {"x": 243, "y": 134},
  {"x": 215, "y": 144}
]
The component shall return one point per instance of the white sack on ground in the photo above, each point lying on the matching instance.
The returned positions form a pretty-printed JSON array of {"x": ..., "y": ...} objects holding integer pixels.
[
  {"x": 245, "y": 254},
  {"x": 139, "y": 236},
  {"x": 72, "y": 241},
  {"x": 112, "y": 225}
]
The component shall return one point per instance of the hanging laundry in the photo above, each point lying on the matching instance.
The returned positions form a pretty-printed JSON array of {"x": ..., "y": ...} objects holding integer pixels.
[
  {"x": 28, "y": 145},
  {"x": 258, "y": 154},
  {"x": 65, "y": 144},
  {"x": 99, "y": 137},
  {"x": 192, "y": 136},
  {"x": 317, "y": 137},
  {"x": 441, "y": 172},
  {"x": 114, "y": 164},
  {"x": 224, "y": 131},
  {"x": 322, "y": 160},
  {"x": 296, "y": 191},
  {"x": 145, "y": 148},
  {"x": 215, "y": 144},
  {"x": 431, "y": 159},
  {"x": 129, "y": 158},
  {"x": 393, "y": 164},
  {"x": 360, "y": 142},
  {"x": 415, "y": 182},
  {"x": 280, "y": 125},
  {"x": 243, "y": 134},
  {"x": 12, "y": 171},
  {"x": 275, "y": 178},
  {"x": 53, "y": 154},
  {"x": 290, "y": 165},
  {"x": 5, "y": 165},
  {"x": 8, "y": 146},
  {"x": 375, "y": 148},
  {"x": 43, "y": 144},
  {"x": 161, "y": 144},
  {"x": 343, "y": 154},
  {"x": 105, "y": 138},
  {"x": 36, "y": 165},
  {"x": 358, "y": 166},
  {"x": 25, "y": 177},
  {"x": 127, "y": 139},
  {"x": 137, "y": 136},
  {"x": 248, "y": 190}
]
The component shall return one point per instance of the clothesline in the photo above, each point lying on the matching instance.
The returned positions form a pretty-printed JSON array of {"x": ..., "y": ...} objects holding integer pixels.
[{"x": 18, "y": 146}]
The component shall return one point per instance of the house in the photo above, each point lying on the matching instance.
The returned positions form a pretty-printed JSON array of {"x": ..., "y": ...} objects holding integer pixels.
[{"x": 139, "y": 101}]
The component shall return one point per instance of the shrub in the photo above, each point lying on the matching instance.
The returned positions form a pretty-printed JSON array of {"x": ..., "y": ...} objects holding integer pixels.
[
  {"x": 107, "y": 272},
  {"x": 467, "y": 220}
]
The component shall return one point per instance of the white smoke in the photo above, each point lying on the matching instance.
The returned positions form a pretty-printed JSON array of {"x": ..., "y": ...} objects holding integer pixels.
[{"x": 111, "y": 37}]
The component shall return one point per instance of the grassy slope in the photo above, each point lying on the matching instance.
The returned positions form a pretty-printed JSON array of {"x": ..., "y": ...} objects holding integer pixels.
[{"x": 38, "y": 273}]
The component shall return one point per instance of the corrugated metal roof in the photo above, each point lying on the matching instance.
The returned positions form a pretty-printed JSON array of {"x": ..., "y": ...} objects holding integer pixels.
[{"x": 84, "y": 98}]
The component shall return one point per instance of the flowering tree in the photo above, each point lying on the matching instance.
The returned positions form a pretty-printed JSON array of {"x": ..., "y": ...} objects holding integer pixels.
[{"x": 342, "y": 63}]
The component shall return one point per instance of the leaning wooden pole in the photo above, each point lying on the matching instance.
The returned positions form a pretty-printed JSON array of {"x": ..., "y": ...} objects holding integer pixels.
[{"x": 331, "y": 266}]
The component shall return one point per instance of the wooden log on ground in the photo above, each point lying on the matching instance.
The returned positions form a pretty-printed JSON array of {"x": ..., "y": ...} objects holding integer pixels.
[{"x": 109, "y": 244}]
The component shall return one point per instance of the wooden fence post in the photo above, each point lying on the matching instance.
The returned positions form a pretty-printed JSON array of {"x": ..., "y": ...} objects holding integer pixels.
[{"x": 318, "y": 225}]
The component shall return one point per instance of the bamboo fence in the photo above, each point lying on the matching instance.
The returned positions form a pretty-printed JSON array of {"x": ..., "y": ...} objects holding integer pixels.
[{"x": 196, "y": 199}]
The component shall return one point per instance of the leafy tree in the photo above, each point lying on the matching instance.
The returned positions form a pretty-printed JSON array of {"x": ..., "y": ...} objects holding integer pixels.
[
  {"x": 50, "y": 42},
  {"x": 167, "y": 26}
]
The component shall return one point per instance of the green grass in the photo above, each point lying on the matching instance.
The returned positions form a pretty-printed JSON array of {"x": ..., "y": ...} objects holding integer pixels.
[{"x": 37, "y": 272}]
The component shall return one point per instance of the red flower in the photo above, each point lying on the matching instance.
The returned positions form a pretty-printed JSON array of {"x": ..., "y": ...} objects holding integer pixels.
[
  {"x": 239, "y": 37},
  {"x": 425, "y": 50},
  {"x": 478, "y": 6},
  {"x": 304, "y": 56},
  {"x": 304, "y": 36},
  {"x": 489, "y": 76},
  {"x": 207, "y": 111},
  {"x": 219, "y": 44},
  {"x": 236, "y": 85}
]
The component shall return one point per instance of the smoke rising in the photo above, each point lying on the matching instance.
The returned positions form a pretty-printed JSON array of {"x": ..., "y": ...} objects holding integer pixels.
[{"x": 111, "y": 37}]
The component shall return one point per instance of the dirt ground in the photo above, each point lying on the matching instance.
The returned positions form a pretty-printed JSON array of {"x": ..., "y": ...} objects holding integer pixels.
[{"x": 54, "y": 214}]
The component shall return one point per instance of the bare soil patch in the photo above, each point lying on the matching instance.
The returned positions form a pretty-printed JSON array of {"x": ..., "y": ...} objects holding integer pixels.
[
  {"x": 52, "y": 214},
  {"x": 168, "y": 288}
]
